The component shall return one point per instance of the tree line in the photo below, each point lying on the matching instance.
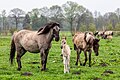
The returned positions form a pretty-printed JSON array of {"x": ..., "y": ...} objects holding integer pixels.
[{"x": 71, "y": 16}]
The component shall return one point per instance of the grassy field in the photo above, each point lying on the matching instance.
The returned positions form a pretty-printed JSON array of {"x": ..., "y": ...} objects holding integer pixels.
[{"x": 106, "y": 66}]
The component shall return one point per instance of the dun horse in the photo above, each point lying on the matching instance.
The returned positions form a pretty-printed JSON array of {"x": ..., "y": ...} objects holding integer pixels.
[
  {"x": 66, "y": 55},
  {"x": 85, "y": 42},
  {"x": 34, "y": 42}
]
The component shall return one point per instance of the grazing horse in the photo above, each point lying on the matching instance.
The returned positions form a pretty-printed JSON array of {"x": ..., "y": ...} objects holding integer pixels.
[
  {"x": 66, "y": 55},
  {"x": 85, "y": 42},
  {"x": 99, "y": 33},
  {"x": 34, "y": 42},
  {"x": 108, "y": 33}
]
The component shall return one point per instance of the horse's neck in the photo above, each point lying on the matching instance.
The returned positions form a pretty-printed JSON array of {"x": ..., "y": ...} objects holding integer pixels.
[{"x": 49, "y": 36}]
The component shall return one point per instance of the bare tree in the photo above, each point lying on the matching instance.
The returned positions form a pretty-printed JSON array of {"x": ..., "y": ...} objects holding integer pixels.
[{"x": 16, "y": 13}]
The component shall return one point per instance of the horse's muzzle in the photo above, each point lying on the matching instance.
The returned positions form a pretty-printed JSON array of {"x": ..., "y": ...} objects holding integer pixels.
[{"x": 57, "y": 38}]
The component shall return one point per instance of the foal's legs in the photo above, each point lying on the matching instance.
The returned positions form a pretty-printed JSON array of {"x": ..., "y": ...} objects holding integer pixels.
[
  {"x": 20, "y": 52},
  {"x": 65, "y": 64},
  {"x": 68, "y": 64}
]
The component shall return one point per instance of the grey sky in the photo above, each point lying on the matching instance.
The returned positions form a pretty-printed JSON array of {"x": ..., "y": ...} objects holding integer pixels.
[{"x": 102, "y": 6}]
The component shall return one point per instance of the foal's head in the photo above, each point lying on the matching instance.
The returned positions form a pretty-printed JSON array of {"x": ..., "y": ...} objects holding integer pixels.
[
  {"x": 63, "y": 42},
  {"x": 96, "y": 46}
]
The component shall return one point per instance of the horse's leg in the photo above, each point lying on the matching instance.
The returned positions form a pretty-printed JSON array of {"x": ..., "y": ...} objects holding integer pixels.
[
  {"x": 20, "y": 53},
  {"x": 44, "y": 54},
  {"x": 43, "y": 61},
  {"x": 90, "y": 51},
  {"x": 78, "y": 55},
  {"x": 79, "y": 58},
  {"x": 85, "y": 54}
]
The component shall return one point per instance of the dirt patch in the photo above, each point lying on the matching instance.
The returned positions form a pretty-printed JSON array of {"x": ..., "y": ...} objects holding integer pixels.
[
  {"x": 27, "y": 74},
  {"x": 103, "y": 64},
  {"x": 96, "y": 78},
  {"x": 76, "y": 72},
  {"x": 107, "y": 72},
  {"x": 114, "y": 60}
]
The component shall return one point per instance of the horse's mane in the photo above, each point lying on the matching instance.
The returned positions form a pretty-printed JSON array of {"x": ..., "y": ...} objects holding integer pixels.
[
  {"x": 45, "y": 29},
  {"x": 88, "y": 37}
]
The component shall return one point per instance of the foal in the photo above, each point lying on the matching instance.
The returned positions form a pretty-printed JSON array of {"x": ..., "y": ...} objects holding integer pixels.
[{"x": 66, "y": 55}]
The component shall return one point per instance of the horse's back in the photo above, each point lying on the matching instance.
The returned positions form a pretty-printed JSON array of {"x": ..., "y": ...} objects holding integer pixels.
[
  {"x": 27, "y": 40},
  {"x": 79, "y": 40}
]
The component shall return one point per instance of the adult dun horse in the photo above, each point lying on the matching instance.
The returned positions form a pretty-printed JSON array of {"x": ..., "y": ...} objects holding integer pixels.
[
  {"x": 34, "y": 42},
  {"x": 85, "y": 42}
]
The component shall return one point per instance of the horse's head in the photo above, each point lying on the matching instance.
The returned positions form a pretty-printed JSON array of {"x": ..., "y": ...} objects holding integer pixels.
[
  {"x": 96, "y": 46},
  {"x": 63, "y": 41},
  {"x": 56, "y": 30},
  {"x": 54, "y": 27}
]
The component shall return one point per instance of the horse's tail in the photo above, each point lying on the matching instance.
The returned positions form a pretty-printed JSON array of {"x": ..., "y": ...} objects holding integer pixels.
[
  {"x": 12, "y": 51},
  {"x": 75, "y": 48}
]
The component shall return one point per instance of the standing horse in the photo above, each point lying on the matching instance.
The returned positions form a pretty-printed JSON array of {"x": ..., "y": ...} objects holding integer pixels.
[
  {"x": 85, "y": 42},
  {"x": 66, "y": 54},
  {"x": 34, "y": 42}
]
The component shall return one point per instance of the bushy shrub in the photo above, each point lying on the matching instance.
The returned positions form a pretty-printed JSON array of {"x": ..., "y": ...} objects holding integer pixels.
[{"x": 12, "y": 30}]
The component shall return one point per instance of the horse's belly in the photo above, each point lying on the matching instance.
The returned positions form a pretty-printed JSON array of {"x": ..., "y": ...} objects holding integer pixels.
[{"x": 31, "y": 46}]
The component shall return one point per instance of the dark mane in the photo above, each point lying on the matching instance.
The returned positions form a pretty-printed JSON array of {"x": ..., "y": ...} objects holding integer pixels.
[{"x": 45, "y": 29}]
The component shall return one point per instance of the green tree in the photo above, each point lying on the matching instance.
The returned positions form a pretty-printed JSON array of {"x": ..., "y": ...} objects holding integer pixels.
[
  {"x": 56, "y": 13},
  {"x": 92, "y": 27},
  {"x": 26, "y": 22},
  {"x": 35, "y": 18},
  {"x": 70, "y": 9},
  {"x": 117, "y": 27},
  {"x": 80, "y": 11},
  {"x": 83, "y": 28}
]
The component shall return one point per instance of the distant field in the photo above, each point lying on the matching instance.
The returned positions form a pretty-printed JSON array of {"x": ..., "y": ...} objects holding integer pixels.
[{"x": 106, "y": 66}]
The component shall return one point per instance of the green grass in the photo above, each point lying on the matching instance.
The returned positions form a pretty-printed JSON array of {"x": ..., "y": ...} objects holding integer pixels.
[{"x": 108, "y": 59}]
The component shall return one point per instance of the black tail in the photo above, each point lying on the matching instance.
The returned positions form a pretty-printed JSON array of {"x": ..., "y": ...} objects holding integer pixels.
[
  {"x": 75, "y": 47},
  {"x": 12, "y": 51}
]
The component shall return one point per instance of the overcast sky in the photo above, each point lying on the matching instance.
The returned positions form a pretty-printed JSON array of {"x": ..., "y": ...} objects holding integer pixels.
[{"x": 102, "y": 6}]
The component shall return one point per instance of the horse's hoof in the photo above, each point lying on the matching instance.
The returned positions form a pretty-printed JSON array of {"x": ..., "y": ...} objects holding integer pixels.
[
  {"x": 81, "y": 64},
  {"x": 76, "y": 64},
  {"x": 18, "y": 69},
  {"x": 44, "y": 69}
]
